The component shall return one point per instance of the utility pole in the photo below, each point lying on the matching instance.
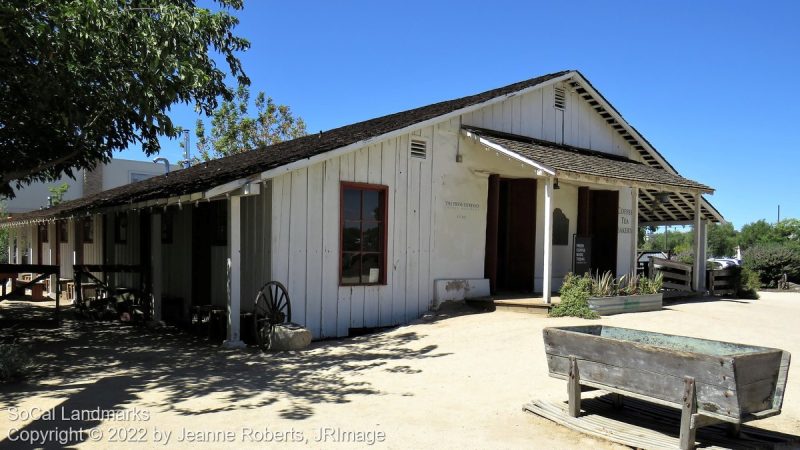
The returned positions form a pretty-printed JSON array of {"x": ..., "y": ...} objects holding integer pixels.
[{"x": 779, "y": 213}]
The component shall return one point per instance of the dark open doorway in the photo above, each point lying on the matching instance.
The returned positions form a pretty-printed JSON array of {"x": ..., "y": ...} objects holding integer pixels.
[
  {"x": 597, "y": 218},
  {"x": 511, "y": 234}
]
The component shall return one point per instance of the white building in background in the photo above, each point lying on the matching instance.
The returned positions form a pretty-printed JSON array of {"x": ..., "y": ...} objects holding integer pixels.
[
  {"x": 372, "y": 223},
  {"x": 116, "y": 173}
]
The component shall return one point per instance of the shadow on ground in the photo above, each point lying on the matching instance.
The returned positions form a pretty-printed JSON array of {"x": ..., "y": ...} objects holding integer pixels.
[{"x": 105, "y": 364}]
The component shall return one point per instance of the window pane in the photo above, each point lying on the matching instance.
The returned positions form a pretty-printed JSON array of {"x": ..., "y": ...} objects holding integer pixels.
[
  {"x": 351, "y": 236},
  {"x": 372, "y": 236},
  {"x": 370, "y": 268},
  {"x": 350, "y": 268},
  {"x": 373, "y": 209},
  {"x": 352, "y": 204}
]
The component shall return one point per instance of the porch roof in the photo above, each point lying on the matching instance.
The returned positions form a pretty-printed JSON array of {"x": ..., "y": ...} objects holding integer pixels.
[{"x": 580, "y": 164}]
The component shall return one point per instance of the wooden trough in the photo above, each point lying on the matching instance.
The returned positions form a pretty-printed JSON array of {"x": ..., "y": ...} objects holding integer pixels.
[{"x": 710, "y": 381}]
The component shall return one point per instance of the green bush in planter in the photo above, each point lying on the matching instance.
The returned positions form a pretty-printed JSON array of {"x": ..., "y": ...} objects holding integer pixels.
[{"x": 575, "y": 293}]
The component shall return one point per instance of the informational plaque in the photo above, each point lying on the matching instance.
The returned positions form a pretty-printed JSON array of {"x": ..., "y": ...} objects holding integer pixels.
[{"x": 582, "y": 258}]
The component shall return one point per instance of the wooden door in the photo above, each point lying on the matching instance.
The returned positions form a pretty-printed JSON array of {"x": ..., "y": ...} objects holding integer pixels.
[
  {"x": 516, "y": 238},
  {"x": 603, "y": 211}
]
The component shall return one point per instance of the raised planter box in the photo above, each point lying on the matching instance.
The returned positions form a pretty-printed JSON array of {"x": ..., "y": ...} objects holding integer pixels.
[{"x": 606, "y": 306}]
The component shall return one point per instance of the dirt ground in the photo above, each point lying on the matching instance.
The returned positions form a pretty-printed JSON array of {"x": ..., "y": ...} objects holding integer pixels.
[{"x": 454, "y": 381}]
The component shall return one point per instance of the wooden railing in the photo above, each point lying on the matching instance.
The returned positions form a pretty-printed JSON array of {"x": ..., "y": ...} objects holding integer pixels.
[
  {"x": 676, "y": 275},
  {"x": 38, "y": 273},
  {"x": 722, "y": 282}
]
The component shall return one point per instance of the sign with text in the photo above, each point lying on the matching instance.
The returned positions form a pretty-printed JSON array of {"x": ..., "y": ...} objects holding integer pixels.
[
  {"x": 625, "y": 221},
  {"x": 582, "y": 257}
]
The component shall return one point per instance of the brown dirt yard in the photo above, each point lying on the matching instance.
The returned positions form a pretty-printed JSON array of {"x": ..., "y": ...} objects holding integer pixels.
[{"x": 454, "y": 381}]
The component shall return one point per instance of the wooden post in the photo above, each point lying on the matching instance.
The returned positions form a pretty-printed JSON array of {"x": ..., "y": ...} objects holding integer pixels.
[
  {"x": 688, "y": 410},
  {"x": 574, "y": 388},
  {"x": 233, "y": 339},
  {"x": 79, "y": 288},
  {"x": 547, "y": 269},
  {"x": 155, "y": 264},
  {"x": 492, "y": 224},
  {"x": 699, "y": 268},
  {"x": 634, "y": 230}
]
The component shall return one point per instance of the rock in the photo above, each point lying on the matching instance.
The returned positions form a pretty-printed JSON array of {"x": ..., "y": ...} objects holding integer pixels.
[{"x": 289, "y": 336}]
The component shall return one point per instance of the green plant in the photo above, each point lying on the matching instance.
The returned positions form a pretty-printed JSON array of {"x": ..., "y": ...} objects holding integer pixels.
[
  {"x": 629, "y": 284},
  {"x": 14, "y": 363},
  {"x": 649, "y": 286},
  {"x": 603, "y": 285},
  {"x": 57, "y": 193},
  {"x": 748, "y": 283},
  {"x": 575, "y": 293},
  {"x": 771, "y": 261}
]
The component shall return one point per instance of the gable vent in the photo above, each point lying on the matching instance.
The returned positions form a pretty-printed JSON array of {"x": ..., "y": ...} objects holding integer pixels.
[
  {"x": 419, "y": 148},
  {"x": 560, "y": 100}
]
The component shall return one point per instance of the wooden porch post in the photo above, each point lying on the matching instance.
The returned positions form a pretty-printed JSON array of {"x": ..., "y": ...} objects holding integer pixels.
[
  {"x": 234, "y": 272},
  {"x": 634, "y": 230},
  {"x": 155, "y": 264},
  {"x": 547, "y": 269},
  {"x": 699, "y": 269}
]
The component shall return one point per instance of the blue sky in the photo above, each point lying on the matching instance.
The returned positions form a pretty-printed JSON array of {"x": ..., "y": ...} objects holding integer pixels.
[{"x": 711, "y": 84}]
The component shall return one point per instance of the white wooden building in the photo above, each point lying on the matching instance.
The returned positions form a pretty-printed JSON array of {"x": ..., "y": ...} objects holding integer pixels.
[{"x": 374, "y": 223}]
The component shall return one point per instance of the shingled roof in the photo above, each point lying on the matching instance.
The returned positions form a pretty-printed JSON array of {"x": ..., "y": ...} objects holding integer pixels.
[
  {"x": 565, "y": 158},
  {"x": 204, "y": 176}
]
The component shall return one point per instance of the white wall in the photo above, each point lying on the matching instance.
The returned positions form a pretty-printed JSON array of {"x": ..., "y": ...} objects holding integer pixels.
[
  {"x": 116, "y": 173},
  {"x": 119, "y": 171},
  {"x": 534, "y": 115},
  {"x": 34, "y": 196},
  {"x": 566, "y": 199},
  {"x": 305, "y": 239}
]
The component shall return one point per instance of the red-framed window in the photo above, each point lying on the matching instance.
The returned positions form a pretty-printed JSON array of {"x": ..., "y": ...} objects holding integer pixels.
[{"x": 362, "y": 234}]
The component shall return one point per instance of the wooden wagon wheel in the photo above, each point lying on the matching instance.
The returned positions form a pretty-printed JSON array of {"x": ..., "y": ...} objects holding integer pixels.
[{"x": 272, "y": 307}]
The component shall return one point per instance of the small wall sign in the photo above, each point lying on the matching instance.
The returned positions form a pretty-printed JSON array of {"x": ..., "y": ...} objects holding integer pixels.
[{"x": 625, "y": 221}]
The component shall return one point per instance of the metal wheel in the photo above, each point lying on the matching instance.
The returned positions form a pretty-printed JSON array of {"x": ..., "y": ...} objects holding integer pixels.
[{"x": 272, "y": 307}]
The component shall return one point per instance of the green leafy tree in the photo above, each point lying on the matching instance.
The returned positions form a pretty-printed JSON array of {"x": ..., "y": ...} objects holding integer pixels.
[
  {"x": 787, "y": 231},
  {"x": 673, "y": 242},
  {"x": 82, "y": 79},
  {"x": 58, "y": 193},
  {"x": 758, "y": 232},
  {"x": 234, "y": 131},
  {"x": 721, "y": 239}
]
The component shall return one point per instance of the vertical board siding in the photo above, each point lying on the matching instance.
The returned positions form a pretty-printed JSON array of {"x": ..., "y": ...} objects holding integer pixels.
[
  {"x": 256, "y": 241},
  {"x": 399, "y": 237},
  {"x": 388, "y": 174},
  {"x": 330, "y": 248},
  {"x": 313, "y": 268},
  {"x": 176, "y": 257},
  {"x": 533, "y": 114},
  {"x": 305, "y": 234}
]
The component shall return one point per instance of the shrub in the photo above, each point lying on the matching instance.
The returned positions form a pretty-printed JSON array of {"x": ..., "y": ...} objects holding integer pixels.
[
  {"x": 14, "y": 363},
  {"x": 649, "y": 286},
  {"x": 771, "y": 261},
  {"x": 747, "y": 284},
  {"x": 575, "y": 292}
]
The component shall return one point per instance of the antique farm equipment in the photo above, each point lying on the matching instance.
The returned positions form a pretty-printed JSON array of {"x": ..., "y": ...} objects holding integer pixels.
[
  {"x": 710, "y": 381},
  {"x": 272, "y": 307}
]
